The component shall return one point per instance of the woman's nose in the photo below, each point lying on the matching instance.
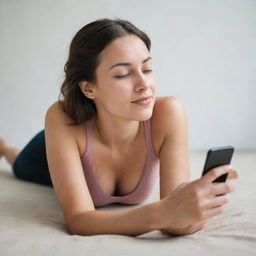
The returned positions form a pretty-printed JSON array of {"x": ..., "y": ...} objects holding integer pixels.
[{"x": 142, "y": 82}]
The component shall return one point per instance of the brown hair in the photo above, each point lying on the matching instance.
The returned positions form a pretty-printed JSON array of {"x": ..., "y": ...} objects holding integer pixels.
[{"x": 83, "y": 60}]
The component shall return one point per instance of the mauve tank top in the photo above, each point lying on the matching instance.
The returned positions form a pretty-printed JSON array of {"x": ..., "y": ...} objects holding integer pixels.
[{"x": 143, "y": 188}]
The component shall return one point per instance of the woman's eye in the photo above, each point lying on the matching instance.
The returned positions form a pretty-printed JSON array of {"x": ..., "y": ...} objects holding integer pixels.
[
  {"x": 123, "y": 76},
  {"x": 147, "y": 71}
]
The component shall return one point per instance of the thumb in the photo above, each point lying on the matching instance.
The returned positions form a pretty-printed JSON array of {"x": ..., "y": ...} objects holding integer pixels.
[
  {"x": 216, "y": 172},
  {"x": 232, "y": 174}
]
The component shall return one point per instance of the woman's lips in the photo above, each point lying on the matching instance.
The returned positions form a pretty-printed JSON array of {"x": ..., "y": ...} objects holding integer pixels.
[{"x": 143, "y": 102}]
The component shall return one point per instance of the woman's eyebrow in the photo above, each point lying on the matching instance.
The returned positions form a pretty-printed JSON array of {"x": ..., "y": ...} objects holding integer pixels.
[{"x": 128, "y": 64}]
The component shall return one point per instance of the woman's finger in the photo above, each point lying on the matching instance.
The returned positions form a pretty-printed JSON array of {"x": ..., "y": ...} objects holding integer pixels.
[
  {"x": 215, "y": 173},
  {"x": 213, "y": 212},
  {"x": 216, "y": 201},
  {"x": 219, "y": 188}
]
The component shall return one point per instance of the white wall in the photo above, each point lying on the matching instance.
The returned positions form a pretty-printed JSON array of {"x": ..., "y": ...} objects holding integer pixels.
[{"x": 204, "y": 53}]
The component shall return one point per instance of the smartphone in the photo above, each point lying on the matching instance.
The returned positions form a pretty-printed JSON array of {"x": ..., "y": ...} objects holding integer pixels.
[{"x": 216, "y": 157}]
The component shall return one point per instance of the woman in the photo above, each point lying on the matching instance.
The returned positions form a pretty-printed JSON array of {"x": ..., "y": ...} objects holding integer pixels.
[{"x": 110, "y": 136}]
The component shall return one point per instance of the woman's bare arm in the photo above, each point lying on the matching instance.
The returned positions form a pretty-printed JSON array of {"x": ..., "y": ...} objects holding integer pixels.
[
  {"x": 174, "y": 153},
  {"x": 133, "y": 222},
  {"x": 174, "y": 173}
]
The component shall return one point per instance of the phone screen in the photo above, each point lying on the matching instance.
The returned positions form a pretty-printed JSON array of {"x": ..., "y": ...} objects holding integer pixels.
[{"x": 216, "y": 157}]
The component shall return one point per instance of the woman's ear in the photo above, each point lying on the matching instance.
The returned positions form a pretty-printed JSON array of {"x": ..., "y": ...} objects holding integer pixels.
[{"x": 87, "y": 89}]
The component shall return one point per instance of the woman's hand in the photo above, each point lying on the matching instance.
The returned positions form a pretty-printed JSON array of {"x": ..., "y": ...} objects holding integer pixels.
[{"x": 187, "y": 208}]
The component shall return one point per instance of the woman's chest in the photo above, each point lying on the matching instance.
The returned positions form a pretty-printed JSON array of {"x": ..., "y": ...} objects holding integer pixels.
[{"x": 120, "y": 173}]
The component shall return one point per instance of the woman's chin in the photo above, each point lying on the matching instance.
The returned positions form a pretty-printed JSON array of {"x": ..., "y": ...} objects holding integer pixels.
[{"x": 143, "y": 117}]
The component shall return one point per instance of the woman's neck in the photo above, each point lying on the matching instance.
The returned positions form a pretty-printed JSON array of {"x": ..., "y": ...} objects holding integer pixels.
[{"x": 118, "y": 134}]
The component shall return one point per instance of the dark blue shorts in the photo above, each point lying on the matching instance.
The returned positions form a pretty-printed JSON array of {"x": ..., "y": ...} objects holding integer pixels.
[{"x": 31, "y": 163}]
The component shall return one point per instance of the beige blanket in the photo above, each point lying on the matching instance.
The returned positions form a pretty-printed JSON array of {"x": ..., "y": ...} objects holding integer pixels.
[{"x": 31, "y": 222}]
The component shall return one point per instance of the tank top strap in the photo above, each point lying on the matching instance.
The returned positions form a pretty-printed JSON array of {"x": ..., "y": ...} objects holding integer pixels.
[
  {"x": 148, "y": 138},
  {"x": 89, "y": 135}
]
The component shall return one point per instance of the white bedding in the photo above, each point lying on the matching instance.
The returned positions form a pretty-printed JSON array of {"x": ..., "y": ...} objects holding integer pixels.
[{"x": 31, "y": 222}]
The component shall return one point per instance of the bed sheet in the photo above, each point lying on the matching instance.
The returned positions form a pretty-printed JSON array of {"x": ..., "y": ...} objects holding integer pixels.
[{"x": 31, "y": 221}]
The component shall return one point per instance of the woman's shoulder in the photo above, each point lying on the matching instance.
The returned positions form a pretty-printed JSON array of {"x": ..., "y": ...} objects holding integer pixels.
[
  {"x": 164, "y": 108},
  {"x": 57, "y": 113},
  {"x": 58, "y": 119},
  {"x": 61, "y": 121},
  {"x": 165, "y": 113},
  {"x": 163, "y": 105}
]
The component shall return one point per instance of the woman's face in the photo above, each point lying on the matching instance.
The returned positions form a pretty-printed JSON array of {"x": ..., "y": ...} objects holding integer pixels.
[{"x": 124, "y": 75}]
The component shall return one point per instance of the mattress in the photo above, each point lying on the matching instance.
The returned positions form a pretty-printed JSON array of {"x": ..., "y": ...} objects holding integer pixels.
[{"x": 31, "y": 221}]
